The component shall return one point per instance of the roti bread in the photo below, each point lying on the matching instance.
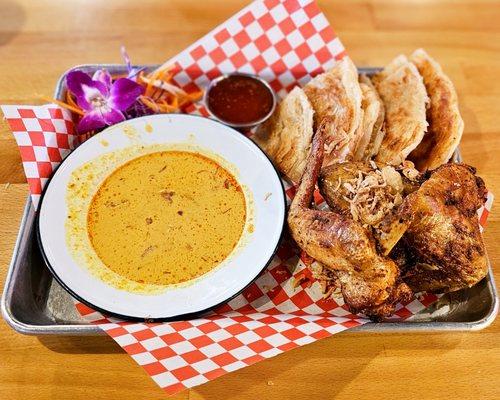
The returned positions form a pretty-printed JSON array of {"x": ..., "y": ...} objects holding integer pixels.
[
  {"x": 403, "y": 93},
  {"x": 286, "y": 137},
  {"x": 446, "y": 126},
  {"x": 371, "y": 123},
  {"x": 336, "y": 97}
]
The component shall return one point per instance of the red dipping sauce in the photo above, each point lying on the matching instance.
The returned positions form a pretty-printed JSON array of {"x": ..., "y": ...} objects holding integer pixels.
[{"x": 240, "y": 100}]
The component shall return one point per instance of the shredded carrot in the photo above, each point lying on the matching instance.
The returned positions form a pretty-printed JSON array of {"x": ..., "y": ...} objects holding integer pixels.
[
  {"x": 166, "y": 75},
  {"x": 70, "y": 100},
  {"x": 167, "y": 106},
  {"x": 152, "y": 105},
  {"x": 157, "y": 94},
  {"x": 195, "y": 96},
  {"x": 174, "y": 102},
  {"x": 149, "y": 81},
  {"x": 161, "y": 94},
  {"x": 63, "y": 104}
]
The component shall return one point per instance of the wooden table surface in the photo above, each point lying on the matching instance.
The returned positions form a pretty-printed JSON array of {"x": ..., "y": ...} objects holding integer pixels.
[{"x": 41, "y": 39}]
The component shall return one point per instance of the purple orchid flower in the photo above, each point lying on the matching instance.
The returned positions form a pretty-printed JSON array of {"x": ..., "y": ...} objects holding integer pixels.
[{"x": 102, "y": 100}]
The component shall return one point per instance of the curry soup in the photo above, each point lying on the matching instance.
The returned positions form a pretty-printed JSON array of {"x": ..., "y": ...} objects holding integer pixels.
[{"x": 166, "y": 217}]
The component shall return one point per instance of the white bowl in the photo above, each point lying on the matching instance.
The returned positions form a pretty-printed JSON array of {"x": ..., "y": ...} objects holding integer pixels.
[{"x": 120, "y": 143}]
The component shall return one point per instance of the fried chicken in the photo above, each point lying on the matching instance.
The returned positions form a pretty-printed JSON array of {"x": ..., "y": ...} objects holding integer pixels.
[
  {"x": 370, "y": 283},
  {"x": 434, "y": 230},
  {"x": 442, "y": 250}
]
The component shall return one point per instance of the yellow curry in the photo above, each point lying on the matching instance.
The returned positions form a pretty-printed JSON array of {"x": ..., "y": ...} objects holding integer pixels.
[{"x": 166, "y": 217}]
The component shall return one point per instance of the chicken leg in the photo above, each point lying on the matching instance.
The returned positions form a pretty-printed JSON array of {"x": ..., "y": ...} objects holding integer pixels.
[{"x": 370, "y": 283}]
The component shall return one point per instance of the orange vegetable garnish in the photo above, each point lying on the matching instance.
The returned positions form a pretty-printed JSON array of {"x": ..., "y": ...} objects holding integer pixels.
[
  {"x": 76, "y": 109},
  {"x": 160, "y": 93}
]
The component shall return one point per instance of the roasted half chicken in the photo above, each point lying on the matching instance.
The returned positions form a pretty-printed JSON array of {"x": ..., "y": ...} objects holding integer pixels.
[
  {"x": 426, "y": 222},
  {"x": 442, "y": 250},
  {"x": 370, "y": 283}
]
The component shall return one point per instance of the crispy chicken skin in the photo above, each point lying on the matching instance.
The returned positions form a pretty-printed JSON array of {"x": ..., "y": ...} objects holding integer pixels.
[
  {"x": 443, "y": 248},
  {"x": 370, "y": 283}
]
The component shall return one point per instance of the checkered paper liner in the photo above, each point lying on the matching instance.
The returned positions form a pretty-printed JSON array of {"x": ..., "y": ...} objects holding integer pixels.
[{"x": 287, "y": 42}]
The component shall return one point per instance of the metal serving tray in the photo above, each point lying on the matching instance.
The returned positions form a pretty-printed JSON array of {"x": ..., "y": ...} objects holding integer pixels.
[{"x": 34, "y": 303}]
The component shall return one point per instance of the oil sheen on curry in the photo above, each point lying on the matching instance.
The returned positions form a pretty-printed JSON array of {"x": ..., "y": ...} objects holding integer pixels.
[{"x": 166, "y": 217}]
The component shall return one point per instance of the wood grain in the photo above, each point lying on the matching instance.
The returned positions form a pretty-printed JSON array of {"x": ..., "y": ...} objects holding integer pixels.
[{"x": 40, "y": 40}]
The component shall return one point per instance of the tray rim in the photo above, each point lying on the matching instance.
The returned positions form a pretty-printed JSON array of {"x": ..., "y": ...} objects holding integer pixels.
[{"x": 91, "y": 329}]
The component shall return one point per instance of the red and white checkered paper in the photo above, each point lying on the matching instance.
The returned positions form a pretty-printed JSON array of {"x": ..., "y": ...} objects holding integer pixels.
[{"x": 286, "y": 42}]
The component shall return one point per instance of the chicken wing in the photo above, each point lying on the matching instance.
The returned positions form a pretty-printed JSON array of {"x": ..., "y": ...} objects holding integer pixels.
[{"x": 370, "y": 283}]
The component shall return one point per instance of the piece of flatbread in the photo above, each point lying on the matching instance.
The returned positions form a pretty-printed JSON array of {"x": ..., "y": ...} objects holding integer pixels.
[
  {"x": 445, "y": 123},
  {"x": 286, "y": 137},
  {"x": 335, "y": 95},
  {"x": 371, "y": 123},
  {"x": 403, "y": 93}
]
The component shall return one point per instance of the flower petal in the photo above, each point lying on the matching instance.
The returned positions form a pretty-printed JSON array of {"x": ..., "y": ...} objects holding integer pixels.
[
  {"x": 75, "y": 80},
  {"x": 132, "y": 71},
  {"x": 112, "y": 116},
  {"x": 124, "y": 93},
  {"x": 91, "y": 121},
  {"x": 84, "y": 88},
  {"x": 103, "y": 76}
]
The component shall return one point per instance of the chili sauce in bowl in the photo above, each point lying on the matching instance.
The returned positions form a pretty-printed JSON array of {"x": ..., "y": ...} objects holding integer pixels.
[{"x": 240, "y": 100}]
